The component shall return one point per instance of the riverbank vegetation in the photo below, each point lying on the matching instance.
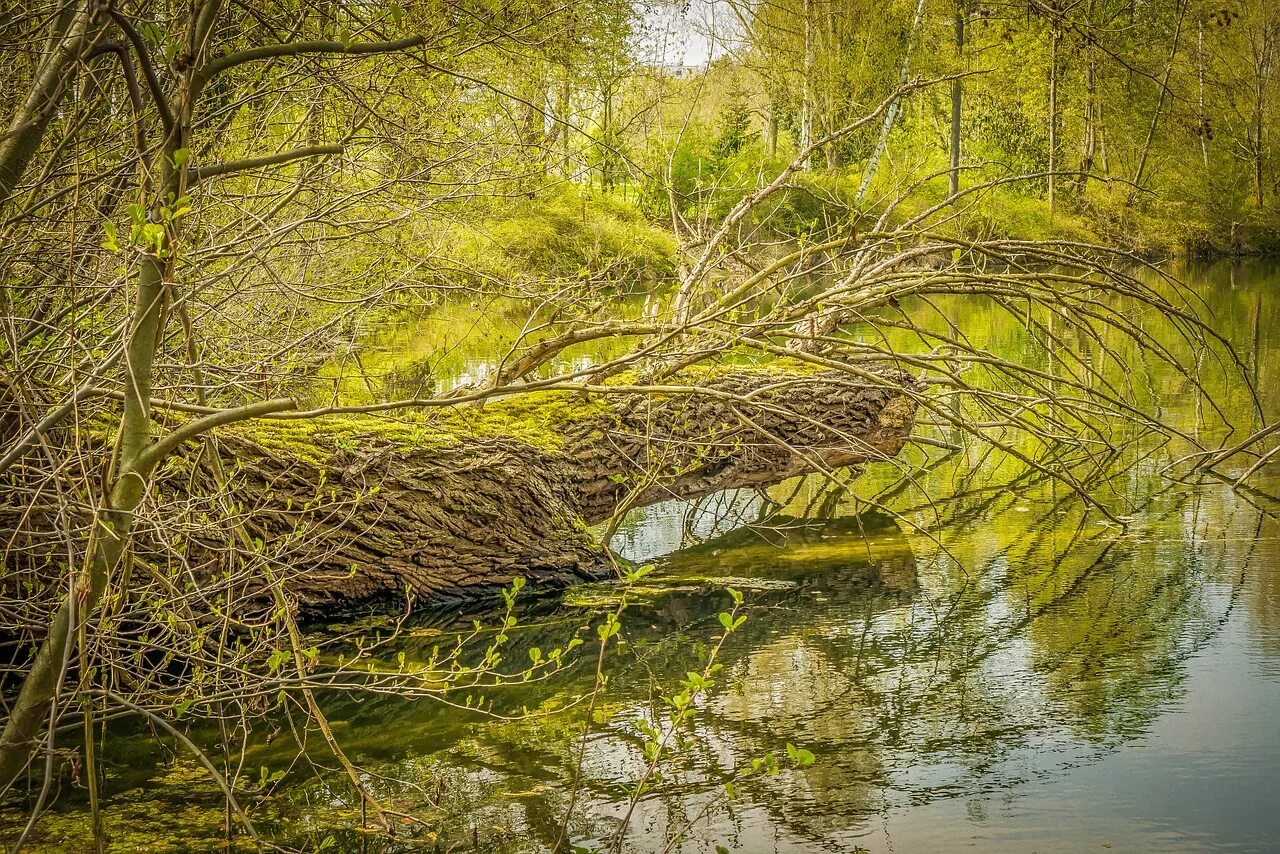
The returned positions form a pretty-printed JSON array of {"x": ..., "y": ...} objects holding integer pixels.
[{"x": 267, "y": 266}]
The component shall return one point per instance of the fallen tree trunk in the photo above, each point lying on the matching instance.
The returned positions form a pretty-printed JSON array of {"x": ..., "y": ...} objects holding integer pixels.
[
  {"x": 452, "y": 504},
  {"x": 454, "y": 507}
]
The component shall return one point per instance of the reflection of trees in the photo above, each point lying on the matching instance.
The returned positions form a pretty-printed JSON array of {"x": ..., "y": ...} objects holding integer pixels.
[
  {"x": 1032, "y": 625},
  {"x": 812, "y": 584},
  {"x": 1264, "y": 596},
  {"x": 1092, "y": 623},
  {"x": 1258, "y": 522}
]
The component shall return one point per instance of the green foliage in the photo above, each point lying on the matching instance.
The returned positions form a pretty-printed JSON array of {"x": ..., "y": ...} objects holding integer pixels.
[{"x": 735, "y": 123}]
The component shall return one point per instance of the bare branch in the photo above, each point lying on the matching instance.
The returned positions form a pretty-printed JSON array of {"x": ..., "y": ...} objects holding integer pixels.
[
  {"x": 247, "y": 164},
  {"x": 219, "y": 64}
]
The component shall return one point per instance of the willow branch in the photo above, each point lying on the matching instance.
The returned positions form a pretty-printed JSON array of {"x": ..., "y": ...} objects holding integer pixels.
[
  {"x": 228, "y": 61},
  {"x": 248, "y": 163},
  {"x": 148, "y": 69},
  {"x": 192, "y": 429}
]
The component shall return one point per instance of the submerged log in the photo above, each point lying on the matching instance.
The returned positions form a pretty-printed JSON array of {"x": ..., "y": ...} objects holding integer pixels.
[{"x": 454, "y": 506}]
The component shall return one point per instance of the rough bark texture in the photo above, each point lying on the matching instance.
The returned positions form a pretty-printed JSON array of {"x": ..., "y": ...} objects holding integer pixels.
[
  {"x": 440, "y": 523},
  {"x": 366, "y": 511},
  {"x": 454, "y": 522}
]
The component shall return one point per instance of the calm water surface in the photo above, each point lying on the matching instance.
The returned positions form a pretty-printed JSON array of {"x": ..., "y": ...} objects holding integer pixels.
[{"x": 977, "y": 664}]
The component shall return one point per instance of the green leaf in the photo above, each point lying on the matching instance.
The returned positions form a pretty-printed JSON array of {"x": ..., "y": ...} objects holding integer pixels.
[
  {"x": 799, "y": 757},
  {"x": 109, "y": 242},
  {"x": 634, "y": 574},
  {"x": 180, "y": 156}
]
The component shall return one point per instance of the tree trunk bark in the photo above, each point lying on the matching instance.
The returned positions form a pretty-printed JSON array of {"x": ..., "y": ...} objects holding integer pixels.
[
  {"x": 458, "y": 521},
  {"x": 891, "y": 115},
  {"x": 1164, "y": 92},
  {"x": 1054, "y": 38},
  {"x": 1257, "y": 145},
  {"x": 957, "y": 101},
  {"x": 70, "y": 37},
  {"x": 806, "y": 92},
  {"x": 133, "y": 457},
  {"x": 1089, "y": 142},
  {"x": 1203, "y": 116}
]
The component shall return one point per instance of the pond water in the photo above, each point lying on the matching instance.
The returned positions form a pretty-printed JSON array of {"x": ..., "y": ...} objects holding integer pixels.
[{"x": 977, "y": 664}]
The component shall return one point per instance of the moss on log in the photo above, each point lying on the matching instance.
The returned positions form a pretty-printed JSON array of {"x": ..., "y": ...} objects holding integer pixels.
[{"x": 452, "y": 505}]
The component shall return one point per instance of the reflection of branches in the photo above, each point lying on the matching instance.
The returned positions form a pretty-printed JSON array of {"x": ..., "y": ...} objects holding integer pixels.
[{"x": 943, "y": 648}]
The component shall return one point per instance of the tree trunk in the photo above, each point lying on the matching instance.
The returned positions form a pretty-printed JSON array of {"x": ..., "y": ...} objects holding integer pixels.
[
  {"x": 891, "y": 115},
  {"x": 1259, "y": 101},
  {"x": 133, "y": 457},
  {"x": 1089, "y": 142},
  {"x": 1204, "y": 117},
  {"x": 564, "y": 107},
  {"x": 111, "y": 529},
  {"x": 1054, "y": 38},
  {"x": 957, "y": 98},
  {"x": 461, "y": 520},
  {"x": 18, "y": 144},
  {"x": 806, "y": 92},
  {"x": 1164, "y": 92}
]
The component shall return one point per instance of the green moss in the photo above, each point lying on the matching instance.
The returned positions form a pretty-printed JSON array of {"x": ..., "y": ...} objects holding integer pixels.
[
  {"x": 730, "y": 363},
  {"x": 539, "y": 420},
  {"x": 609, "y": 594},
  {"x": 315, "y": 441}
]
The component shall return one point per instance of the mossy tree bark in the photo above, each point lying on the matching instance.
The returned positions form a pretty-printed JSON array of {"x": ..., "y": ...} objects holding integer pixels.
[{"x": 379, "y": 518}]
